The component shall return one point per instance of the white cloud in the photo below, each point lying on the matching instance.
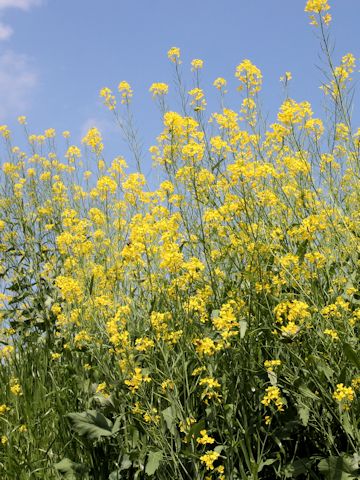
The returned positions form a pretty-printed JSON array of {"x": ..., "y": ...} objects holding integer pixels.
[
  {"x": 5, "y": 31},
  {"x": 102, "y": 124},
  {"x": 17, "y": 81},
  {"x": 22, "y": 4}
]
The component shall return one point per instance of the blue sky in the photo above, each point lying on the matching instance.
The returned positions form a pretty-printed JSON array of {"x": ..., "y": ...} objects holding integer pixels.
[{"x": 55, "y": 55}]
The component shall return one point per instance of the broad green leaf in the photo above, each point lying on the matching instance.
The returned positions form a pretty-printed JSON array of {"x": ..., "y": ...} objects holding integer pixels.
[
  {"x": 298, "y": 467},
  {"x": 71, "y": 470},
  {"x": 115, "y": 475},
  {"x": 339, "y": 468},
  {"x": 126, "y": 462},
  {"x": 169, "y": 418},
  {"x": 153, "y": 462},
  {"x": 91, "y": 424}
]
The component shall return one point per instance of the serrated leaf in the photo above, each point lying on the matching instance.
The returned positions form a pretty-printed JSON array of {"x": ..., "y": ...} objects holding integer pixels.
[
  {"x": 153, "y": 462},
  {"x": 91, "y": 424}
]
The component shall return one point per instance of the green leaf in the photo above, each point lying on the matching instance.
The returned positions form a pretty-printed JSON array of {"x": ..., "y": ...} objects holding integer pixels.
[
  {"x": 70, "y": 469},
  {"x": 302, "y": 249},
  {"x": 91, "y": 424},
  {"x": 196, "y": 428},
  {"x": 304, "y": 414},
  {"x": 351, "y": 355},
  {"x": 307, "y": 392},
  {"x": 169, "y": 418},
  {"x": 243, "y": 327},
  {"x": 115, "y": 475},
  {"x": 126, "y": 462},
  {"x": 345, "y": 421},
  {"x": 91, "y": 285},
  {"x": 153, "y": 462},
  {"x": 266, "y": 463},
  {"x": 298, "y": 467},
  {"x": 117, "y": 425},
  {"x": 272, "y": 378},
  {"x": 339, "y": 468}
]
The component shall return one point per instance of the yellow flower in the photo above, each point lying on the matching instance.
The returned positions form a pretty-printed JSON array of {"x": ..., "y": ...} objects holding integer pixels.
[
  {"x": 205, "y": 346},
  {"x": 126, "y": 91},
  {"x": 3, "y": 409},
  {"x": 6, "y": 351},
  {"x": 159, "y": 89},
  {"x": 15, "y": 387},
  {"x": 73, "y": 152},
  {"x": 317, "y": 6},
  {"x": 197, "y": 64},
  {"x": 209, "y": 458},
  {"x": 101, "y": 388},
  {"x": 286, "y": 78},
  {"x": 167, "y": 385},
  {"x": 219, "y": 83},
  {"x": 144, "y": 344},
  {"x": 273, "y": 395},
  {"x": 344, "y": 395},
  {"x": 93, "y": 140},
  {"x": 197, "y": 371},
  {"x": 174, "y": 54},
  {"x": 205, "y": 439},
  {"x": 198, "y": 101},
  {"x": 249, "y": 76},
  {"x": 50, "y": 133},
  {"x": 271, "y": 364},
  {"x": 332, "y": 333},
  {"x": 355, "y": 383},
  {"x": 136, "y": 380},
  {"x": 109, "y": 98}
]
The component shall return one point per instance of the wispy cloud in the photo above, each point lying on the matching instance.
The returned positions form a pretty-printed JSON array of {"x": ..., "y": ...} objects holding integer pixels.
[
  {"x": 5, "y": 30},
  {"x": 22, "y": 4},
  {"x": 103, "y": 124},
  {"x": 17, "y": 81}
]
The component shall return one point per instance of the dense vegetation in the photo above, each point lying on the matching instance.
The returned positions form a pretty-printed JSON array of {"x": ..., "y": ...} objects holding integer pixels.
[{"x": 203, "y": 329}]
